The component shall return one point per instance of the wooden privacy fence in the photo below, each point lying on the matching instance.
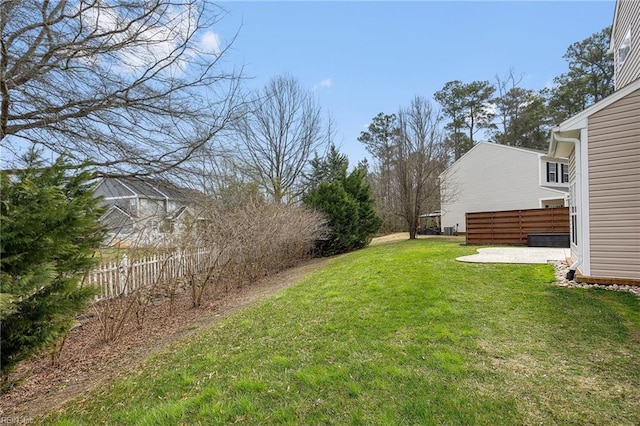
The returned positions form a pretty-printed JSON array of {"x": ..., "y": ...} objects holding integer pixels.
[
  {"x": 513, "y": 226},
  {"x": 125, "y": 276}
]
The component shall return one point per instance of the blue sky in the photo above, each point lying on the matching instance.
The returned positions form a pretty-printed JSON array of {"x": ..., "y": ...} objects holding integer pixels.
[{"x": 362, "y": 58}]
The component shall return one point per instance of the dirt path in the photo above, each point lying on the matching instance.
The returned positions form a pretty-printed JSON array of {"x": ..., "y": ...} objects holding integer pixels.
[
  {"x": 405, "y": 236},
  {"x": 86, "y": 362}
]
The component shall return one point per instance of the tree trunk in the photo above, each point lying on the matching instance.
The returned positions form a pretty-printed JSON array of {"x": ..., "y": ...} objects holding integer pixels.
[{"x": 412, "y": 233}]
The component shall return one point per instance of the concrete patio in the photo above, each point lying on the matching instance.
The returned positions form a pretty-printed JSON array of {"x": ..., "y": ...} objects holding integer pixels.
[{"x": 517, "y": 255}]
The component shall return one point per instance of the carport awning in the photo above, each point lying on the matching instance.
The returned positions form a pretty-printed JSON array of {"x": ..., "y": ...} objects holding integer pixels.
[{"x": 432, "y": 214}]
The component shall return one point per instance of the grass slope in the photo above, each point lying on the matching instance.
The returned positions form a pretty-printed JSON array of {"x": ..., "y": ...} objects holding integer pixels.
[{"x": 399, "y": 333}]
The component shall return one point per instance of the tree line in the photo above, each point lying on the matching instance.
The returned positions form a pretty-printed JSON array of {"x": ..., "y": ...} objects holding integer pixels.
[
  {"x": 141, "y": 88},
  {"x": 410, "y": 148},
  {"x": 513, "y": 115}
]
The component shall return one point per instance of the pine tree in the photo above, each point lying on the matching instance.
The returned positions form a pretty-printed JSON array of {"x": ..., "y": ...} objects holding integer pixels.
[
  {"x": 49, "y": 232},
  {"x": 589, "y": 79},
  {"x": 346, "y": 201},
  {"x": 368, "y": 221},
  {"x": 341, "y": 211}
]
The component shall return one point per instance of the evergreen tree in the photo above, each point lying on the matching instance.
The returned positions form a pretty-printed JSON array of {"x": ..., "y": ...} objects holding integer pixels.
[
  {"x": 524, "y": 117},
  {"x": 333, "y": 167},
  {"x": 346, "y": 201},
  {"x": 589, "y": 79},
  {"x": 369, "y": 223},
  {"x": 467, "y": 106},
  {"x": 381, "y": 140},
  {"x": 49, "y": 231},
  {"x": 341, "y": 211}
]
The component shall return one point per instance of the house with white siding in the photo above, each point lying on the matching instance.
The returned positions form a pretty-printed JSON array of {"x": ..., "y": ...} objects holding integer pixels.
[
  {"x": 602, "y": 145},
  {"x": 495, "y": 177}
]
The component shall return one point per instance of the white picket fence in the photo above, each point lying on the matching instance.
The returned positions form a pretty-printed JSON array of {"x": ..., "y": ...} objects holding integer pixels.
[{"x": 125, "y": 276}]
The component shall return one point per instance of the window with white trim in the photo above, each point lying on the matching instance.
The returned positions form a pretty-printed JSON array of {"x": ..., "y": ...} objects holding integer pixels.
[
  {"x": 552, "y": 172},
  {"x": 565, "y": 173},
  {"x": 624, "y": 48}
]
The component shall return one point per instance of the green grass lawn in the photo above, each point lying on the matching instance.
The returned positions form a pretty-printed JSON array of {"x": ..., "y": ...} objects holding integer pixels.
[{"x": 398, "y": 333}]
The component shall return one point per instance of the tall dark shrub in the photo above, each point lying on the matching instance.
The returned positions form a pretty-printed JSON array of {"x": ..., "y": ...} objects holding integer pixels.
[
  {"x": 341, "y": 212},
  {"x": 346, "y": 202},
  {"x": 48, "y": 234},
  {"x": 368, "y": 221}
]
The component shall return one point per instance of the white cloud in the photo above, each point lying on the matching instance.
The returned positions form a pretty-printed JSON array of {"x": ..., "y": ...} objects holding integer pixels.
[
  {"x": 156, "y": 41},
  {"x": 326, "y": 83},
  {"x": 210, "y": 43}
]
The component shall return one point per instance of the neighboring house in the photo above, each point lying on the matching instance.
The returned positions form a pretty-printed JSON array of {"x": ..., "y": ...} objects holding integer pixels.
[
  {"x": 494, "y": 177},
  {"x": 142, "y": 211},
  {"x": 602, "y": 144}
]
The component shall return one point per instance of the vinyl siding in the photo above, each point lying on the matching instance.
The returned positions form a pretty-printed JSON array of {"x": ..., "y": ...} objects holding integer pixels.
[
  {"x": 614, "y": 189},
  {"x": 627, "y": 14}
]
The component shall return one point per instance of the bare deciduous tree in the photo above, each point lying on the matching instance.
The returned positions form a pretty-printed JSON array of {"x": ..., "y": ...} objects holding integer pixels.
[
  {"x": 419, "y": 158},
  {"x": 279, "y": 135},
  {"x": 506, "y": 111},
  {"x": 380, "y": 140},
  {"x": 522, "y": 117},
  {"x": 135, "y": 86}
]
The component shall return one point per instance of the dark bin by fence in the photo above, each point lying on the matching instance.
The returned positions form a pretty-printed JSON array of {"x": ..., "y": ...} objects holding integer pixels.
[{"x": 560, "y": 240}]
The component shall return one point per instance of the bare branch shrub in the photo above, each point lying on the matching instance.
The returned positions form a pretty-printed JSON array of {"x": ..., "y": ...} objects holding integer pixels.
[
  {"x": 130, "y": 302},
  {"x": 249, "y": 242},
  {"x": 221, "y": 247}
]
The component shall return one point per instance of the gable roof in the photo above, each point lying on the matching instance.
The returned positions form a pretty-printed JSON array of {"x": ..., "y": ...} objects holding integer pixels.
[
  {"x": 114, "y": 208},
  {"x": 496, "y": 145},
  {"x": 116, "y": 218},
  {"x": 141, "y": 187},
  {"x": 107, "y": 188},
  {"x": 144, "y": 188}
]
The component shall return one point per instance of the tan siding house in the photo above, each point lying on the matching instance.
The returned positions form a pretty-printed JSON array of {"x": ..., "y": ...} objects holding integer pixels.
[
  {"x": 603, "y": 147},
  {"x": 625, "y": 42},
  {"x": 614, "y": 188},
  {"x": 602, "y": 144},
  {"x": 572, "y": 205}
]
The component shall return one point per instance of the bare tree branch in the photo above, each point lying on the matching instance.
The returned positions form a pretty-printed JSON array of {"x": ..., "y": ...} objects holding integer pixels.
[
  {"x": 134, "y": 86},
  {"x": 279, "y": 135}
]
